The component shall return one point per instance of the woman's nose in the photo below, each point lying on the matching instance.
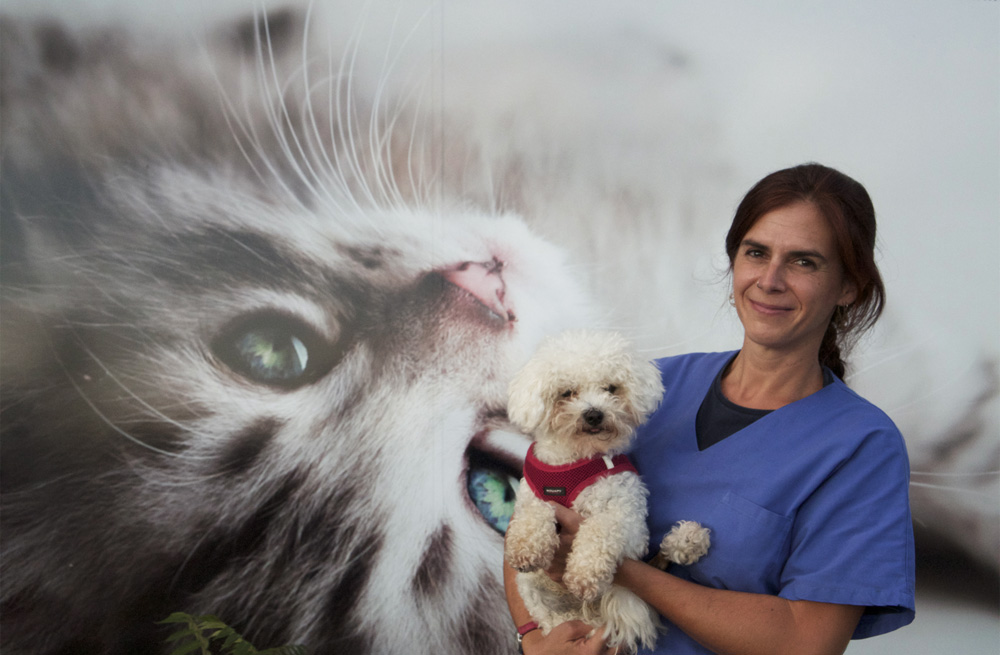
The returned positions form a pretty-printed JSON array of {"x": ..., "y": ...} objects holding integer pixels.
[{"x": 772, "y": 279}]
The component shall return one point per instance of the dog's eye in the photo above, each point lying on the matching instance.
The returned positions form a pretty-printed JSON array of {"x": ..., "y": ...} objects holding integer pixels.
[
  {"x": 611, "y": 388},
  {"x": 567, "y": 393}
]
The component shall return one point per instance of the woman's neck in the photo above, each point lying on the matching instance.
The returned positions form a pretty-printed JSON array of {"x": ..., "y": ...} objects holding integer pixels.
[{"x": 765, "y": 380}]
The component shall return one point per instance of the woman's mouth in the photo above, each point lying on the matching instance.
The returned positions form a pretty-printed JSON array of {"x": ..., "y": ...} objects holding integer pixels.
[{"x": 768, "y": 309}]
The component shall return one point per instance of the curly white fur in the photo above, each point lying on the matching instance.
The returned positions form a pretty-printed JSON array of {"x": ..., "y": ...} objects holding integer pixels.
[{"x": 582, "y": 395}]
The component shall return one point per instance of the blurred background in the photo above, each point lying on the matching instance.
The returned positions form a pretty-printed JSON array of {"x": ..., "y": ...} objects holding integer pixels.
[{"x": 903, "y": 96}]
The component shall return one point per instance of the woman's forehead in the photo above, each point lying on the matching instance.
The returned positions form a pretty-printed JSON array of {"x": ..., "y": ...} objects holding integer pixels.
[{"x": 799, "y": 227}]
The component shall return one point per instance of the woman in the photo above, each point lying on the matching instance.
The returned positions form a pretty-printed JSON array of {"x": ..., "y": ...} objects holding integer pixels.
[{"x": 803, "y": 483}]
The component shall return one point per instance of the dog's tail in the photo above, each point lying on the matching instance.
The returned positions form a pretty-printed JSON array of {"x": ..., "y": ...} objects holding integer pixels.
[{"x": 628, "y": 621}]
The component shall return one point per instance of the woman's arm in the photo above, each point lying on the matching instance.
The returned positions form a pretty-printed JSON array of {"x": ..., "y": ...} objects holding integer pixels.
[
  {"x": 566, "y": 639},
  {"x": 737, "y": 623},
  {"x": 728, "y": 622}
]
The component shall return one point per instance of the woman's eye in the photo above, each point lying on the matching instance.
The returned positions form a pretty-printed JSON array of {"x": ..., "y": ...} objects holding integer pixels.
[
  {"x": 493, "y": 492},
  {"x": 275, "y": 350}
]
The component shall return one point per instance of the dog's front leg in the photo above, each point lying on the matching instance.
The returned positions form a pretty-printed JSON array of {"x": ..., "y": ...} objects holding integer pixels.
[
  {"x": 614, "y": 528},
  {"x": 531, "y": 540}
]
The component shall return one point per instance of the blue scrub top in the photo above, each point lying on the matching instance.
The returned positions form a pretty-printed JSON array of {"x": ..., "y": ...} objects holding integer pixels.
[{"x": 810, "y": 502}]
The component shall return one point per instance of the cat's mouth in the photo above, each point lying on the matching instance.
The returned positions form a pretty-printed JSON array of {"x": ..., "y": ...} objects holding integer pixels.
[
  {"x": 483, "y": 283},
  {"x": 494, "y": 461}
]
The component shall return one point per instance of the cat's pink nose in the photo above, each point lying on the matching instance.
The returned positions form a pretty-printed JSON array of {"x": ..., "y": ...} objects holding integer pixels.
[{"x": 484, "y": 281}]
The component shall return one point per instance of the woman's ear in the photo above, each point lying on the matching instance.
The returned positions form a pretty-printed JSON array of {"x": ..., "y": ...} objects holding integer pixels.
[{"x": 849, "y": 294}]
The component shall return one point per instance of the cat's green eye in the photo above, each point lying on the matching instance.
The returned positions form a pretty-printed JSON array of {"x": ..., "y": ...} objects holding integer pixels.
[
  {"x": 275, "y": 350},
  {"x": 492, "y": 487},
  {"x": 272, "y": 355}
]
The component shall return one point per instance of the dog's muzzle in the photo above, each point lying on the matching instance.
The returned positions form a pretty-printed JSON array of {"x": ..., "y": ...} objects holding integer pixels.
[{"x": 593, "y": 418}]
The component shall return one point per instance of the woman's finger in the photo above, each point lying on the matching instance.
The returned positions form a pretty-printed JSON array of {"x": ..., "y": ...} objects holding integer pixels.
[
  {"x": 572, "y": 630},
  {"x": 596, "y": 645},
  {"x": 568, "y": 520}
]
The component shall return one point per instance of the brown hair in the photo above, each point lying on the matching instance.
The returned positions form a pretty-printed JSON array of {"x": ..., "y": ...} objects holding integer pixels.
[{"x": 848, "y": 209}]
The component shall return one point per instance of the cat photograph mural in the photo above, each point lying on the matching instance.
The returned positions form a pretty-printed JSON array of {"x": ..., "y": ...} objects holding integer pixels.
[{"x": 268, "y": 268}]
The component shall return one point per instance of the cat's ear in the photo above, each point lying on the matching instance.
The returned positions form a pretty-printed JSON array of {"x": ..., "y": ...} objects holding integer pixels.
[
  {"x": 275, "y": 32},
  {"x": 30, "y": 49}
]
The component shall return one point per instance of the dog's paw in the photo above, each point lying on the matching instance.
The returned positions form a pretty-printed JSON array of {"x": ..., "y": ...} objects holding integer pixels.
[
  {"x": 526, "y": 561},
  {"x": 586, "y": 588},
  {"x": 686, "y": 543},
  {"x": 529, "y": 551}
]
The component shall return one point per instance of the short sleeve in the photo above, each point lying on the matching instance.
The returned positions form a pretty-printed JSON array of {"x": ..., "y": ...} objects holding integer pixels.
[{"x": 852, "y": 539}]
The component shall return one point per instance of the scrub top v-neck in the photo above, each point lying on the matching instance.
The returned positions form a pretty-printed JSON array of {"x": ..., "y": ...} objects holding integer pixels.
[{"x": 809, "y": 502}]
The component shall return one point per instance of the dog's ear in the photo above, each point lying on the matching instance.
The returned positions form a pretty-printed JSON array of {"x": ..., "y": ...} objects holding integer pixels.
[
  {"x": 526, "y": 399},
  {"x": 647, "y": 388}
]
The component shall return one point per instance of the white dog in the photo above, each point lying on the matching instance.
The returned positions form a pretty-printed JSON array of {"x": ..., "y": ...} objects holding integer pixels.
[{"x": 581, "y": 397}]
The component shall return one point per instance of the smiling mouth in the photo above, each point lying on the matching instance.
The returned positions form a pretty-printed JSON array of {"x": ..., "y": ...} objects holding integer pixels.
[{"x": 764, "y": 308}]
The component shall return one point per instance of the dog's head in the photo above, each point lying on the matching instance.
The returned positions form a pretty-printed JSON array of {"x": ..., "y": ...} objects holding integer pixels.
[{"x": 583, "y": 393}]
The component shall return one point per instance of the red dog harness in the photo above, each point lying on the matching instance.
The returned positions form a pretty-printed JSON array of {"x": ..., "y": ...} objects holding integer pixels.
[{"x": 563, "y": 484}]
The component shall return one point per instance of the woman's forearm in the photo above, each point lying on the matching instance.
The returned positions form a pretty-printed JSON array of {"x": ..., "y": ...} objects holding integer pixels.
[
  {"x": 570, "y": 638},
  {"x": 518, "y": 612},
  {"x": 737, "y": 623}
]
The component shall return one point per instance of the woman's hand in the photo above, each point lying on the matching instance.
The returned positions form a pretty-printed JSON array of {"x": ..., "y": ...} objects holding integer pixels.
[
  {"x": 569, "y": 522},
  {"x": 568, "y": 638},
  {"x": 571, "y": 637}
]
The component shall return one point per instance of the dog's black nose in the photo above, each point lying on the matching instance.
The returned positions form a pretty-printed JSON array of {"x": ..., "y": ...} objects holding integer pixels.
[{"x": 593, "y": 417}]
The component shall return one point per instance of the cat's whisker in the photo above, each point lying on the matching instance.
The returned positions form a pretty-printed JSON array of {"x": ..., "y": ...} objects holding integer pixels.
[
  {"x": 893, "y": 354},
  {"x": 957, "y": 474},
  {"x": 381, "y": 126},
  {"x": 942, "y": 487},
  {"x": 328, "y": 176},
  {"x": 232, "y": 120},
  {"x": 346, "y": 113},
  {"x": 420, "y": 182},
  {"x": 379, "y": 177},
  {"x": 391, "y": 127},
  {"x": 245, "y": 134},
  {"x": 280, "y": 118},
  {"x": 942, "y": 384},
  {"x": 111, "y": 424},
  {"x": 332, "y": 188},
  {"x": 154, "y": 412}
]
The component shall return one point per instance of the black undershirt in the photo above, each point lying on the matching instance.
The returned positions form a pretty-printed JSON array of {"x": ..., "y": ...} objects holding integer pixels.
[{"x": 718, "y": 417}]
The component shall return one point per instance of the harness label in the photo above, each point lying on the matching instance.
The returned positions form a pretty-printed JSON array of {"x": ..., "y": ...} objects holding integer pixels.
[{"x": 554, "y": 491}]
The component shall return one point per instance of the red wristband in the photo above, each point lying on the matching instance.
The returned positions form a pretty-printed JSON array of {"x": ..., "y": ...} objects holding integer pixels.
[{"x": 526, "y": 628}]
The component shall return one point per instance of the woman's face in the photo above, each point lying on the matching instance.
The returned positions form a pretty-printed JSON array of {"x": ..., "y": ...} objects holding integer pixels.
[{"x": 788, "y": 279}]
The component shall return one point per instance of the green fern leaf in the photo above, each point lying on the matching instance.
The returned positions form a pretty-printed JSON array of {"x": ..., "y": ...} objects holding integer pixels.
[
  {"x": 232, "y": 642},
  {"x": 190, "y": 647}
]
